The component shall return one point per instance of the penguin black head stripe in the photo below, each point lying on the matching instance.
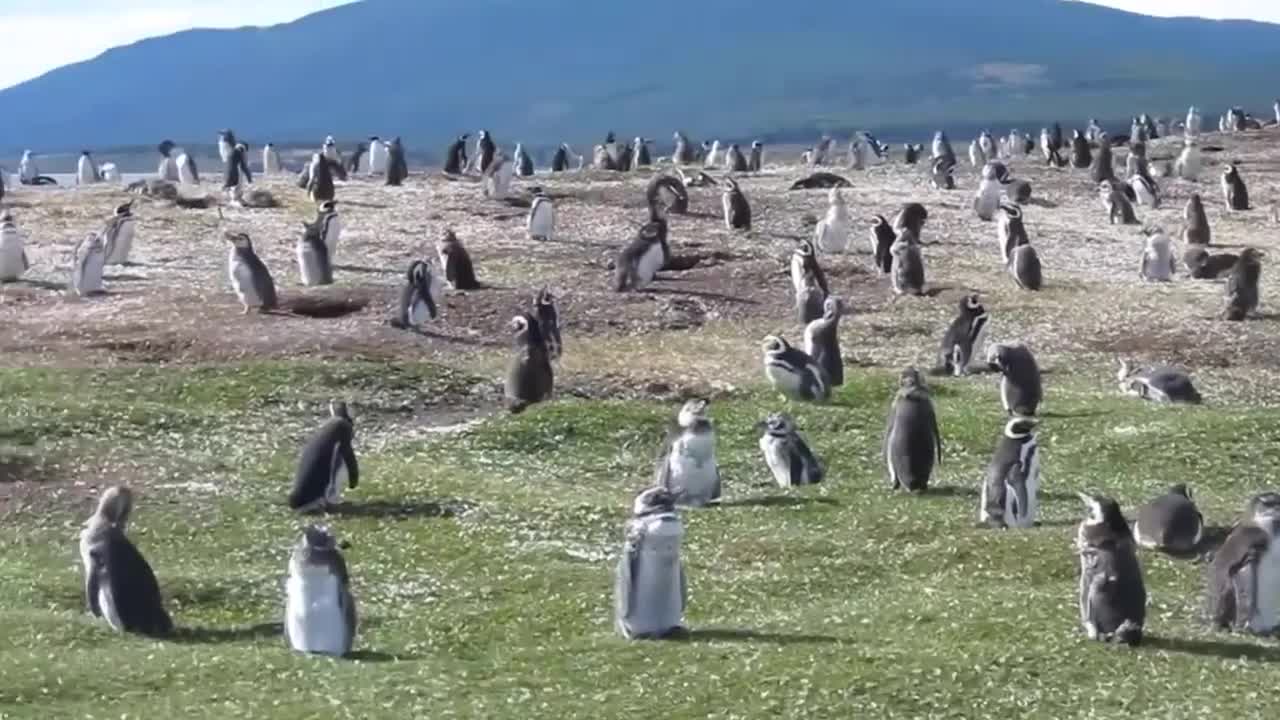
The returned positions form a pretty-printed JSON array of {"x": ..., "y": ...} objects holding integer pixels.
[{"x": 338, "y": 409}]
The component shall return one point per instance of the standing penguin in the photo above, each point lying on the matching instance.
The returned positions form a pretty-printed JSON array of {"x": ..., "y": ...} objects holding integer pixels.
[
  {"x": 963, "y": 341},
  {"x": 542, "y": 217},
  {"x": 1113, "y": 597},
  {"x": 912, "y": 442},
  {"x": 236, "y": 173},
  {"x": 168, "y": 170},
  {"x": 832, "y": 233},
  {"x": 1103, "y": 167},
  {"x": 320, "y": 611},
  {"x": 1170, "y": 523},
  {"x": 378, "y": 156},
  {"x": 793, "y": 372},
  {"x": 120, "y": 586},
  {"x": 358, "y": 161},
  {"x": 942, "y": 175},
  {"x": 456, "y": 156},
  {"x": 1244, "y": 578},
  {"x": 270, "y": 160},
  {"x": 1145, "y": 190},
  {"x": 497, "y": 179},
  {"x": 313, "y": 256},
  {"x": 1020, "y": 386},
  {"x": 644, "y": 255},
  {"x": 808, "y": 281},
  {"x": 320, "y": 185},
  {"x": 1196, "y": 231},
  {"x": 397, "y": 166},
  {"x": 882, "y": 239},
  {"x": 757, "y": 157},
  {"x": 1119, "y": 207},
  {"x": 1188, "y": 164},
  {"x": 485, "y": 150},
  {"x": 987, "y": 200},
  {"x": 226, "y": 144},
  {"x": 684, "y": 153},
  {"x": 529, "y": 379},
  {"x": 687, "y": 464},
  {"x": 87, "y": 172},
  {"x": 737, "y": 213},
  {"x": 1194, "y": 122},
  {"x": 523, "y": 163},
  {"x": 1234, "y": 190},
  {"x": 650, "y": 590},
  {"x": 544, "y": 308},
  {"x": 1081, "y": 153},
  {"x": 87, "y": 265},
  {"x": 328, "y": 461},
  {"x": 1011, "y": 232},
  {"x": 908, "y": 265},
  {"x": 330, "y": 224},
  {"x": 456, "y": 263},
  {"x": 822, "y": 341},
  {"x": 330, "y": 150},
  {"x": 1242, "y": 285},
  {"x": 419, "y": 298},
  {"x": 1157, "y": 263},
  {"x": 942, "y": 149},
  {"x": 249, "y": 276},
  {"x": 976, "y": 157},
  {"x": 712, "y": 159},
  {"x": 560, "y": 161},
  {"x": 641, "y": 153},
  {"x": 911, "y": 153},
  {"x": 13, "y": 254},
  {"x": 1010, "y": 492},
  {"x": 118, "y": 235},
  {"x": 1024, "y": 266},
  {"x": 786, "y": 453}
]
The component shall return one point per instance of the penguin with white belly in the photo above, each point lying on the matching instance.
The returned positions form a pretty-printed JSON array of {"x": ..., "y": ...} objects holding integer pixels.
[
  {"x": 1010, "y": 492},
  {"x": 419, "y": 297},
  {"x": 328, "y": 461},
  {"x": 687, "y": 464},
  {"x": 13, "y": 254},
  {"x": 320, "y": 611},
  {"x": 120, "y": 585},
  {"x": 650, "y": 590},
  {"x": 313, "y": 257}
]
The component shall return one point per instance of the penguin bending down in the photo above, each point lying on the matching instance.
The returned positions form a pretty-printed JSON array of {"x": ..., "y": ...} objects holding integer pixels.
[
  {"x": 1244, "y": 578},
  {"x": 1119, "y": 207},
  {"x": 1158, "y": 384},
  {"x": 1010, "y": 492},
  {"x": 328, "y": 461},
  {"x": 249, "y": 276},
  {"x": 1157, "y": 263},
  {"x": 118, "y": 235},
  {"x": 786, "y": 453},
  {"x": 1197, "y": 231},
  {"x": 832, "y": 233},
  {"x": 650, "y": 590},
  {"x": 529, "y": 379},
  {"x": 168, "y": 169},
  {"x": 964, "y": 338},
  {"x": 793, "y": 372},
  {"x": 908, "y": 265},
  {"x": 397, "y": 165},
  {"x": 13, "y": 254},
  {"x": 822, "y": 340},
  {"x": 1234, "y": 190},
  {"x": 687, "y": 466},
  {"x": 1170, "y": 523},
  {"x": 456, "y": 263},
  {"x": 419, "y": 298},
  {"x": 1113, "y": 597},
  {"x": 673, "y": 186},
  {"x": 270, "y": 160},
  {"x": 912, "y": 442},
  {"x": 1242, "y": 285},
  {"x": 641, "y": 258},
  {"x": 87, "y": 265},
  {"x": 1020, "y": 387},
  {"x": 808, "y": 281},
  {"x": 737, "y": 212},
  {"x": 313, "y": 256},
  {"x": 456, "y": 156},
  {"x": 544, "y": 306},
  {"x": 119, "y": 585},
  {"x": 320, "y": 611},
  {"x": 882, "y": 239},
  {"x": 911, "y": 217},
  {"x": 542, "y": 217},
  {"x": 1203, "y": 266}
]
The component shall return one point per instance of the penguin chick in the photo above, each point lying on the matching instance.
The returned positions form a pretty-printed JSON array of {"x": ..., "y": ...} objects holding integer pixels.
[
  {"x": 832, "y": 232},
  {"x": 1113, "y": 597},
  {"x": 640, "y": 259},
  {"x": 1010, "y": 493},
  {"x": 548, "y": 322},
  {"x": 1170, "y": 523},
  {"x": 793, "y": 373},
  {"x": 1020, "y": 385},
  {"x": 313, "y": 257},
  {"x": 912, "y": 442},
  {"x": 1242, "y": 285},
  {"x": 1157, "y": 263},
  {"x": 650, "y": 590},
  {"x": 1201, "y": 265},
  {"x": 822, "y": 340},
  {"x": 786, "y": 453},
  {"x": 1196, "y": 231},
  {"x": 687, "y": 465},
  {"x": 320, "y": 611},
  {"x": 250, "y": 278},
  {"x": 530, "y": 379},
  {"x": 908, "y": 265},
  {"x": 456, "y": 261}
]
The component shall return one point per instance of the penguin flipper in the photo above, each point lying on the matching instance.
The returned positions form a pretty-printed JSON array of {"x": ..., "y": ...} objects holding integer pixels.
[
  {"x": 349, "y": 460},
  {"x": 195, "y": 173},
  {"x": 92, "y": 582},
  {"x": 26, "y": 264},
  {"x": 937, "y": 435},
  {"x": 624, "y": 580},
  {"x": 348, "y": 604},
  {"x": 684, "y": 589}
]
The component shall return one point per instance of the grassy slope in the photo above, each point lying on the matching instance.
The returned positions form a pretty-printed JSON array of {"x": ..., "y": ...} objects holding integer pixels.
[{"x": 484, "y": 590}]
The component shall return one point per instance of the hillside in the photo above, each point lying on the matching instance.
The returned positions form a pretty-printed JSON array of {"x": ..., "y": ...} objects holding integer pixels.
[{"x": 546, "y": 72}]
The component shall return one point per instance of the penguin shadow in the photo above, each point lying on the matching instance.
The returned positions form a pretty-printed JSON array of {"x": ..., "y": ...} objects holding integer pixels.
[
  {"x": 395, "y": 509},
  {"x": 197, "y": 635},
  {"x": 737, "y": 635},
  {"x": 125, "y": 277},
  {"x": 701, "y": 294},
  {"x": 949, "y": 491},
  {"x": 1073, "y": 415},
  {"x": 779, "y": 501},
  {"x": 1041, "y": 202},
  {"x": 34, "y": 284},
  {"x": 704, "y": 215},
  {"x": 366, "y": 270},
  {"x": 441, "y": 337},
  {"x": 1214, "y": 649},
  {"x": 374, "y": 656},
  {"x": 369, "y": 205}
]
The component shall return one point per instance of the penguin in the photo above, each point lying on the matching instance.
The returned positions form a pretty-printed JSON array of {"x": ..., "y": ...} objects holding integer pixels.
[
  {"x": 976, "y": 157},
  {"x": 987, "y": 200},
  {"x": 640, "y": 153},
  {"x": 110, "y": 173},
  {"x": 379, "y": 156},
  {"x": 908, "y": 265},
  {"x": 1275, "y": 108},
  {"x": 236, "y": 173},
  {"x": 806, "y": 272},
  {"x": 683, "y": 153},
  {"x": 313, "y": 256},
  {"x": 1203, "y": 266},
  {"x": 1146, "y": 190},
  {"x": 87, "y": 265},
  {"x": 1159, "y": 384},
  {"x": 963, "y": 341},
  {"x": 1157, "y": 263},
  {"x": 226, "y": 144},
  {"x": 1193, "y": 123},
  {"x": 485, "y": 151},
  {"x": 911, "y": 153},
  {"x": 330, "y": 151},
  {"x": 28, "y": 171},
  {"x": 87, "y": 171},
  {"x": 397, "y": 166},
  {"x": 640, "y": 259},
  {"x": 832, "y": 232},
  {"x": 419, "y": 298},
  {"x": 1020, "y": 387},
  {"x": 1170, "y": 523},
  {"x": 942, "y": 175},
  {"x": 1188, "y": 164},
  {"x": 737, "y": 212},
  {"x": 942, "y": 148},
  {"x": 185, "y": 169},
  {"x": 650, "y": 589},
  {"x": 249, "y": 276},
  {"x": 882, "y": 239},
  {"x": 1081, "y": 153},
  {"x": 602, "y": 160},
  {"x": 330, "y": 226},
  {"x": 1010, "y": 493},
  {"x": 793, "y": 372},
  {"x": 497, "y": 179},
  {"x": 1113, "y": 598},
  {"x": 542, "y": 217},
  {"x": 544, "y": 308},
  {"x": 523, "y": 163},
  {"x": 120, "y": 586},
  {"x": 118, "y": 235},
  {"x": 13, "y": 254},
  {"x": 675, "y": 187},
  {"x": 987, "y": 145},
  {"x": 456, "y": 156},
  {"x": 861, "y": 155},
  {"x": 327, "y": 462},
  {"x": 320, "y": 185},
  {"x": 686, "y": 465},
  {"x": 320, "y": 611},
  {"x": 1196, "y": 231},
  {"x": 1234, "y": 190},
  {"x": 1011, "y": 232},
  {"x": 560, "y": 161},
  {"x": 1103, "y": 167},
  {"x": 456, "y": 263},
  {"x": 786, "y": 453},
  {"x": 530, "y": 378},
  {"x": 357, "y": 161},
  {"x": 168, "y": 169},
  {"x": 1242, "y": 285},
  {"x": 270, "y": 160},
  {"x": 1244, "y": 577},
  {"x": 757, "y": 157},
  {"x": 735, "y": 161},
  {"x": 820, "y": 180},
  {"x": 1046, "y": 147},
  {"x": 912, "y": 443},
  {"x": 911, "y": 217},
  {"x": 1119, "y": 208},
  {"x": 822, "y": 340}
]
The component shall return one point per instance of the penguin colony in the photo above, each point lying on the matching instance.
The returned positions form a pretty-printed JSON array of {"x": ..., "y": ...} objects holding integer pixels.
[{"x": 651, "y": 591}]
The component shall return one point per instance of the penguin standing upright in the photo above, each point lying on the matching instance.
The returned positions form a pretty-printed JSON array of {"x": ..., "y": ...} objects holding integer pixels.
[
  {"x": 320, "y": 611},
  {"x": 120, "y": 586},
  {"x": 497, "y": 179},
  {"x": 908, "y": 265},
  {"x": 320, "y": 186},
  {"x": 560, "y": 160},
  {"x": 456, "y": 156},
  {"x": 1157, "y": 263},
  {"x": 1188, "y": 164},
  {"x": 168, "y": 170},
  {"x": 87, "y": 265},
  {"x": 1103, "y": 167},
  {"x": 327, "y": 462},
  {"x": 358, "y": 161},
  {"x": 330, "y": 225},
  {"x": 236, "y": 173},
  {"x": 912, "y": 443},
  {"x": 529, "y": 379},
  {"x": 735, "y": 161},
  {"x": 1010, "y": 493},
  {"x": 455, "y": 262},
  {"x": 687, "y": 464},
  {"x": 1170, "y": 523},
  {"x": 270, "y": 160},
  {"x": 1020, "y": 386},
  {"x": 378, "y": 156},
  {"x": 650, "y": 590},
  {"x": 737, "y": 212},
  {"x": 911, "y": 153},
  {"x": 882, "y": 239},
  {"x": 313, "y": 256},
  {"x": 87, "y": 172},
  {"x": 1196, "y": 231},
  {"x": 13, "y": 254},
  {"x": 808, "y": 281},
  {"x": 1011, "y": 232},
  {"x": 1081, "y": 153},
  {"x": 786, "y": 453},
  {"x": 822, "y": 340},
  {"x": 963, "y": 341},
  {"x": 1119, "y": 207},
  {"x": 249, "y": 276},
  {"x": 1145, "y": 190},
  {"x": 1242, "y": 285},
  {"x": 712, "y": 159},
  {"x": 523, "y": 163},
  {"x": 226, "y": 144},
  {"x": 684, "y": 152},
  {"x": 397, "y": 165},
  {"x": 330, "y": 150},
  {"x": 793, "y": 372},
  {"x": 118, "y": 235},
  {"x": 1024, "y": 266},
  {"x": 942, "y": 149},
  {"x": 1113, "y": 597},
  {"x": 832, "y": 233},
  {"x": 1234, "y": 190},
  {"x": 643, "y": 256},
  {"x": 987, "y": 200},
  {"x": 485, "y": 150},
  {"x": 419, "y": 298},
  {"x": 544, "y": 308},
  {"x": 542, "y": 217},
  {"x": 641, "y": 150},
  {"x": 1244, "y": 577},
  {"x": 757, "y": 157},
  {"x": 1194, "y": 122},
  {"x": 185, "y": 167},
  {"x": 942, "y": 175}
]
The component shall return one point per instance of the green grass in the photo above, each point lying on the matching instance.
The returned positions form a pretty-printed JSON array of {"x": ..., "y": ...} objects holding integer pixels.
[{"x": 484, "y": 589}]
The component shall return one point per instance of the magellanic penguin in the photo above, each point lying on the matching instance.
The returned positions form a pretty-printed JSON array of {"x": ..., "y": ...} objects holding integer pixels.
[
  {"x": 1119, "y": 207},
  {"x": 542, "y": 217},
  {"x": 419, "y": 298},
  {"x": 249, "y": 276},
  {"x": 118, "y": 235},
  {"x": 1024, "y": 266},
  {"x": 822, "y": 340},
  {"x": 270, "y": 160},
  {"x": 737, "y": 212},
  {"x": 378, "y": 156},
  {"x": 640, "y": 153},
  {"x": 911, "y": 217},
  {"x": 1188, "y": 164},
  {"x": 650, "y": 591},
  {"x": 977, "y": 158},
  {"x": 1010, "y": 494},
  {"x": 87, "y": 264},
  {"x": 328, "y": 462},
  {"x": 832, "y": 233},
  {"x": 786, "y": 453},
  {"x": 1145, "y": 190},
  {"x": 793, "y": 372},
  {"x": 687, "y": 466},
  {"x": 912, "y": 443},
  {"x": 313, "y": 256},
  {"x": 1113, "y": 597},
  {"x": 663, "y": 186},
  {"x": 1103, "y": 167},
  {"x": 882, "y": 239},
  {"x": 1201, "y": 265},
  {"x": 185, "y": 167},
  {"x": 735, "y": 161},
  {"x": 987, "y": 200},
  {"x": 1242, "y": 285},
  {"x": 87, "y": 172},
  {"x": 320, "y": 183},
  {"x": 1011, "y": 232},
  {"x": 485, "y": 151},
  {"x": 1160, "y": 384},
  {"x": 456, "y": 156},
  {"x": 523, "y": 163},
  {"x": 1170, "y": 523},
  {"x": 168, "y": 169},
  {"x": 1193, "y": 123},
  {"x": 456, "y": 263},
  {"x": 235, "y": 174},
  {"x": 1244, "y": 577},
  {"x": 1196, "y": 230},
  {"x": 529, "y": 379},
  {"x": 942, "y": 175},
  {"x": 641, "y": 258},
  {"x": 1081, "y": 152},
  {"x": 320, "y": 611},
  {"x": 911, "y": 153},
  {"x": 330, "y": 224},
  {"x": 963, "y": 341},
  {"x": 1020, "y": 387},
  {"x": 119, "y": 585},
  {"x": 226, "y": 144},
  {"x": 397, "y": 165},
  {"x": 808, "y": 281},
  {"x": 497, "y": 179},
  {"x": 1157, "y": 263},
  {"x": 13, "y": 254},
  {"x": 908, "y": 265},
  {"x": 1234, "y": 190},
  {"x": 544, "y": 308},
  {"x": 942, "y": 148},
  {"x": 757, "y": 157}
]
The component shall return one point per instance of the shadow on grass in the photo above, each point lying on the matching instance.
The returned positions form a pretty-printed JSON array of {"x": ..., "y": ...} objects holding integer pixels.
[
  {"x": 715, "y": 635},
  {"x": 950, "y": 491},
  {"x": 373, "y": 656},
  {"x": 1074, "y": 415},
  {"x": 403, "y": 509},
  {"x": 1215, "y": 649},
  {"x": 780, "y": 501},
  {"x": 217, "y": 636}
]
